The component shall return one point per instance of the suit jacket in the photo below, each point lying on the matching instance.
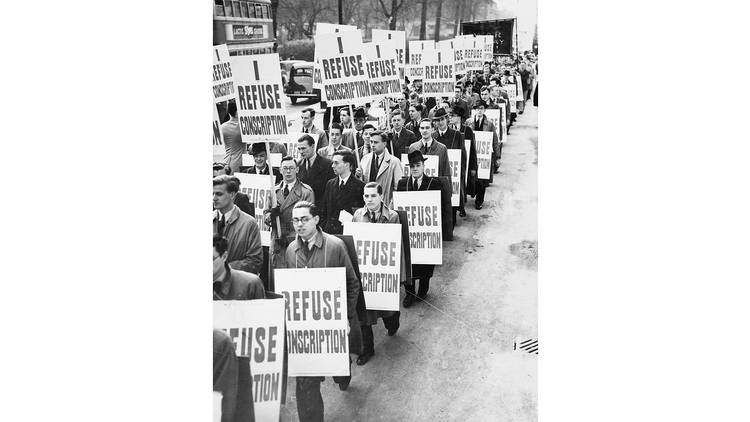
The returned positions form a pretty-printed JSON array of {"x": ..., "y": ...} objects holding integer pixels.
[
  {"x": 438, "y": 149},
  {"x": 328, "y": 151},
  {"x": 300, "y": 192},
  {"x": 348, "y": 198},
  {"x": 243, "y": 203},
  {"x": 322, "y": 137},
  {"x": 412, "y": 126},
  {"x": 243, "y": 234},
  {"x": 464, "y": 104},
  {"x": 316, "y": 177},
  {"x": 453, "y": 139},
  {"x": 389, "y": 173},
  {"x": 276, "y": 174},
  {"x": 398, "y": 145},
  {"x": 487, "y": 126}
]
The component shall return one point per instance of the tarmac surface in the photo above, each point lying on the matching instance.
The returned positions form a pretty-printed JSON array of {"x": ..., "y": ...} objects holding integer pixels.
[{"x": 453, "y": 358}]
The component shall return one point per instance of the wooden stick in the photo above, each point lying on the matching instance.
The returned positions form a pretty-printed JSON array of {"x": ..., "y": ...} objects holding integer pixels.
[{"x": 273, "y": 185}]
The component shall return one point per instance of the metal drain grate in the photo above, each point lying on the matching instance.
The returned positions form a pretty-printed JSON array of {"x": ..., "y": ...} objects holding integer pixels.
[{"x": 529, "y": 346}]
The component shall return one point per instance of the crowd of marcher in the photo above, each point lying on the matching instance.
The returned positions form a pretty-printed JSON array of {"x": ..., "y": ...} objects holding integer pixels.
[{"x": 354, "y": 167}]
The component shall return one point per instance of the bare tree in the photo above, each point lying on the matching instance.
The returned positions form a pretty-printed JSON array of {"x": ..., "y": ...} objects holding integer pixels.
[
  {"x": 438, "y": 17},
  {"x": 299, "y": 17},
  {"x": 393, "y": 13},
  {"x": 423, "y": 22}
]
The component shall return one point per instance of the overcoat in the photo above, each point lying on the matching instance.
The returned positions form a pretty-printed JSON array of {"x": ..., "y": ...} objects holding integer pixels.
[
  {"x": 335, "y": 199},
  {"x": 389, "y": 173}
]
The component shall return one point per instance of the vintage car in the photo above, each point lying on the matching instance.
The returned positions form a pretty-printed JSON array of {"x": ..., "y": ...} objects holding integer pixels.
[{"x": 300, "y": 82}]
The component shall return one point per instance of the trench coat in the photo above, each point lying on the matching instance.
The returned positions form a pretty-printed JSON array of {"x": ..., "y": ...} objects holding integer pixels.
[
  {"x": 243, "y": 235},
  {"x": 389, "y": 173}
]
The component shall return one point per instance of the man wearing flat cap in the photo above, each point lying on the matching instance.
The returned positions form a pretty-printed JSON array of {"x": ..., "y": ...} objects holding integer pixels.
[{"x": 418, "y": 181}]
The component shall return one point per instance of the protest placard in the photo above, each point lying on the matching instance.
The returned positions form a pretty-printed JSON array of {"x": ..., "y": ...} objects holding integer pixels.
[
  {"x": 219, "y": 149},
  {"x": 223, "y": 80},
  {"x": 474, "y": 52},
  {"x": 261, "y": 103},
  {"x": 379, "y": 254},
  {"x": 483, "y": 142},
  {"x": 399, "y": 37},
  {"x": 494, "y": 115},
  {"x": 430, "y": 165},
  {"x": 258, "y": 189},
  {"x": 438, "y": 77},
  {"x": 456, "y": 44},
  {"x": 415, "y": 68},
  {"x": 256, "y": 328},
  {"x": 454, "y": 163},
  {"x": 382, "y": 71},
  {"x": 316, "y": 318},
  {"x": 325, "y": 28},
  {"x": 423, "y": 213},
  {"x": 489, "y": 43},
  {"x": 343, "y": 70},
  {"x": 519, "y": 89}
]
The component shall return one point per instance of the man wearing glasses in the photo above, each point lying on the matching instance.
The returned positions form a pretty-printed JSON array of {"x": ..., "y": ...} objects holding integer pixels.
[
  {"x": 288, "y": 193},
  {"x": 315, "y": 249}
]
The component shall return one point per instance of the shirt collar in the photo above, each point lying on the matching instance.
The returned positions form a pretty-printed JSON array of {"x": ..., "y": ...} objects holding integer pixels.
[
  {"x": 427, "y": 143},
  {"x": 317, "y": 240},
  {"x": 228, "y": 216},
  {"x": 345, "y": 179},
  {"x": 290, "y": 185}
]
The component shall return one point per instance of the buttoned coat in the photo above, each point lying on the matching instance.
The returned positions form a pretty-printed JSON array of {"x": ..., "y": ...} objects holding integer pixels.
[
  {"x": 335, "y": 199},
  {"x": 399, "y": 144},
  {"x": 319, "y": 174},
  {"x": 435, "y": 149},
  {"x": 453, "y": 139},
  {"x": 243, "y": 235},
  {"x": 389, "y": 173}
]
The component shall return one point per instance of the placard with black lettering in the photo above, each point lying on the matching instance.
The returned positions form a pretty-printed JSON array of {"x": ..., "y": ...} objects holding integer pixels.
[
  {"x": 261, "y": 103},
  {"x": 343, "y": 68},
  {"x": 439, "y": 78},
  {"x": 316, "y": 320},
  {"x": 483, "y": 142},
  {"x": 423, "y": 214},
  {"x": 258, "y": 187},
  {"x": 223, "y": 81},
  {"x": 454, "y": 163},
  {"x": 379, "y": 254},
  {"x": 415, "y": 67},
  {"x": 400, "y": 43},
  {"x": 256, "y": 328}
]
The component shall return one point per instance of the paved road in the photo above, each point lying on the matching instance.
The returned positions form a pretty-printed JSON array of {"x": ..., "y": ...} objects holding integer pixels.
[{"x": 453, "y": 358}]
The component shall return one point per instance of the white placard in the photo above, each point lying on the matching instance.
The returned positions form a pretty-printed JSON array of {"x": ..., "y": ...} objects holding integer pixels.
[
  {"x": 454, "y": 164},
  {"x": 261, "y": 103},
  {"x": 483, "y": 142},
  {"x": 256, "y": 328},
  {"x": 217, "y": 406},
  {"x": 438, "y": 76},
  {"x": 316, "y": 318},
  {"x": 382, "y": 70},
  {"x": 431, "y": 164},
  {"x": 343, "y": 68},
  {"x": 258, "y": 189},
  {"x": 325, "y": 28},
  {"x": 415, "y": 68},
  {"x": 456, "y": 45},
  {"x": 467, "y": 147},
  {"x": 379, "y": 254},
  {"x": 489, "y": 43},
  {"x": 474, "y": 53},
  {"x": 423, "y": 215},
  {"x": 222, "y": 75},
  {"x": 400, "y": 43}
]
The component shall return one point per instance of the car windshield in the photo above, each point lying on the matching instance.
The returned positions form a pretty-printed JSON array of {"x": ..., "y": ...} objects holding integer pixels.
[{"x": 302, "y": 71}]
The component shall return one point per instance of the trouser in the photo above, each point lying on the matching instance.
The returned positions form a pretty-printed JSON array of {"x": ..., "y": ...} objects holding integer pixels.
[
  {"x": 326, "y": 115},
  {"x": 368, "y": 338},
  {"x": 309, "y": 399},
  {"x": 244, "y": 409},
  {"x": 264, "y": 269},
  {"x": 455, "y": 210},
  {"x": 480, "y": 188},
  {"x": 424, "y": 286}
]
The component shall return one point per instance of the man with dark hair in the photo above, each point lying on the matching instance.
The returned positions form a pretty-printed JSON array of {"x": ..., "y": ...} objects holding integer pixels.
[
  {"x": 308, "y": 117},
  {"x": 288, "y": 193},
  {"x": 262, "y": 166},
  {"x": 232, "y": 138},
  {"x": 428, "y": 146},
  {"x": 335, "y": 142},
  {"x": 315, "y": 249},
  {"x": 345, "y": 118},
  {"x": 366, "y": 147},
  {"x": 355, "y": 138},
  {"x": 482, "y": 123},
  {"x": 342, "y": 192},
  {"x": 375, "y": 211},
  {"x": 415, "y": 115},
  {"x": 381, "y": 167},
  {"x": 240, "y": 199},
  {"x": 418, "y": 181},
  {"x": 399, "y": 138},
  {"x": 314, "y": 170},
  {"x": 240, "y": 229},
  {"x": 232, "y": 284}
]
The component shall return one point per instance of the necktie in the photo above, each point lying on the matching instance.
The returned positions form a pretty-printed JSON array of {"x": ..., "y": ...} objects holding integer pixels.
[
  {"x": 341, "y": 184},
  {"x": 222, "y": 224},
  {"x": 374, "y": 166},
  {"x": 416, "y": 184},
  {"x": 424, "y": 147},
  {"x": 286, "y": 190},
  {"x": 372, "y": 218},
  {"x": 305, "y": 130},
  {"x": 307, "y": 165}
]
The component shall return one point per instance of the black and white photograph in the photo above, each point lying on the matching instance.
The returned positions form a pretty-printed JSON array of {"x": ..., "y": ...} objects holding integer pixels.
[
  {"x": 375, "y": 184},
  {"x": 400, "y": 232}
]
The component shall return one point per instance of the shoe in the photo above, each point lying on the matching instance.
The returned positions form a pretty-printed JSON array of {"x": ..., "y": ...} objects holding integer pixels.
[
  {"x": 392, "y": 331},
  {"x": 364, "y": 357},
  {"x": 344, "y": 385},
  {"x": 408, "y": 300},
  {"x": 462, "y": 213},
  {"x": 478, "y": 205}
]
